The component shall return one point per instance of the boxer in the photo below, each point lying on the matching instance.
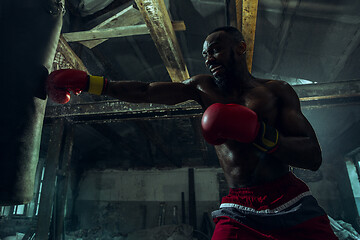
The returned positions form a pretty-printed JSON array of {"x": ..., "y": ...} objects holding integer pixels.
[{"x": 258, "y": 131}]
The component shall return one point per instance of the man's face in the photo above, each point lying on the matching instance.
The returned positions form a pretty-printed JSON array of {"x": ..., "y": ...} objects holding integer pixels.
[{"x": 220, "y": 58}]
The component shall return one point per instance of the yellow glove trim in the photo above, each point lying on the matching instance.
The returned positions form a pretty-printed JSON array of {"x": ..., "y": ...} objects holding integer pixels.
[
  {"x": 267, "y": 142},
  {"x": 261, "y": 148},
  {"x": 96, "y": 84}
]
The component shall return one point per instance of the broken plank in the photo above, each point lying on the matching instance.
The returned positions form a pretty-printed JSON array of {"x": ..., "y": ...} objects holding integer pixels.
[
  {"x": 162, "y": 32},
  {"x": 70, "y": 56},
  {"x": 246, "y": 21},
  {"x": 113, "y": 32}
]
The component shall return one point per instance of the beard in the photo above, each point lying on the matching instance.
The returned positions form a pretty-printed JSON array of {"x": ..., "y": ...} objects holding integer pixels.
[
  {"x": 223, "y": 82},
  {"x": 226, "y": 81}
]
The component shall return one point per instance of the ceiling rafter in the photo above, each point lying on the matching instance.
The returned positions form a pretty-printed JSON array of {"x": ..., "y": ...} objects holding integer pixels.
[
  {"x": 104, "y": 34},
  {"x": 246, "y": 15},
  {"x": 69, "y": 55},
  {"x": 128, "y": 16},
  {"x": 162, "y": 32}
]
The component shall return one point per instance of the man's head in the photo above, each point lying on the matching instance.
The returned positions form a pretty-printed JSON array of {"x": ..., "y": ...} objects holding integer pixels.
[
  {"x": 231, "y": 31},
  {"x": 224, "y": 53}
]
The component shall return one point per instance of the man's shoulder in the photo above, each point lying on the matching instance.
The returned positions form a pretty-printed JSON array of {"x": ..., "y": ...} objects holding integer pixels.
[
  {"x": 283, "y": 91},
  {"x": 275, "y": 83},
  {"x": 277, "y": 86}
]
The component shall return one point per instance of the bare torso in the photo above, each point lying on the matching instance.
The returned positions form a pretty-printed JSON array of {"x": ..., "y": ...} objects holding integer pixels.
[
  {"x": 275, "y": 102},
  {"x": 243, "y": 164}
]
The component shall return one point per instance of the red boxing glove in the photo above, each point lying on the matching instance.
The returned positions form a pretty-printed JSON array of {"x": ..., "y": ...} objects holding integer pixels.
[
  {"x": 60, "y": 82},
  {"x": 229, "y": 121},
  {"x": 232, "y": 121}
]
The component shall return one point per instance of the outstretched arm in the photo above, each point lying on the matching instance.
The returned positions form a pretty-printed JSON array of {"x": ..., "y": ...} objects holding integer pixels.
[
  {"x": 298, "y": 144},
  {"x": 61, "y": 82},
  {"x": 157, "y": 92}
]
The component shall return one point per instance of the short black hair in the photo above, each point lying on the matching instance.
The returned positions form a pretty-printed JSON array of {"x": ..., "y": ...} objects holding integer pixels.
[{"x": 232, "y": 31}]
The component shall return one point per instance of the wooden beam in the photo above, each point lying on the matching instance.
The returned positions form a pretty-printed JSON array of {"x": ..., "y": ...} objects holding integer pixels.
[
  {"x": 162, "y": 32},
  {"x": 239, "y": 13},
  {"x": 48, "y": 187},
  {"x": 246, "y": 21},
  {"x": 116, "y": 110},
  {"x": 328, "y": 90},
  {"x": 63, "y": 183},
  {"x": 114, "y": 32},
  {"x": 69, "y": 55},
  {"x": 126, "y": 17}
]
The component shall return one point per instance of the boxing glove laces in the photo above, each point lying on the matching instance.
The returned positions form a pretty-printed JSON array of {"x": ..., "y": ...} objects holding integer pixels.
[{"x": 232, "y": 121}]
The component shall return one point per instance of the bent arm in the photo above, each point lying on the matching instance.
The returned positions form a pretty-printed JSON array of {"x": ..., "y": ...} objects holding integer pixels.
[
  {"x": 169, "y": 93},
  {"x": 298, "y": 144}
]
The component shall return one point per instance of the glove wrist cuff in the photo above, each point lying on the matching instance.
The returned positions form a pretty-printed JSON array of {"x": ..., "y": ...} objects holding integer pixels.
[
  {"x": 97, "y": 84},
  {"x": 267, "y": 138}
]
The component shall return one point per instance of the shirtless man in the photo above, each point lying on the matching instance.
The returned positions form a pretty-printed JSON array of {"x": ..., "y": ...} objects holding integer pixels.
[{"x": 258, "y": 131}]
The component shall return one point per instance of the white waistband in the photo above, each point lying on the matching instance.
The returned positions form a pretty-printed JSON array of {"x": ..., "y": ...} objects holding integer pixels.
[{"x": 275, "y": 210}]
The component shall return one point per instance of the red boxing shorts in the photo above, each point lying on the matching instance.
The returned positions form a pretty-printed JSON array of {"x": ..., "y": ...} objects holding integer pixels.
[{"x": 281, "y": 210}]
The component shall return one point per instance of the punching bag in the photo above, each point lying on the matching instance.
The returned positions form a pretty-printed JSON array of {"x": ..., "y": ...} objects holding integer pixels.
[{"x": 30, "y": 34}]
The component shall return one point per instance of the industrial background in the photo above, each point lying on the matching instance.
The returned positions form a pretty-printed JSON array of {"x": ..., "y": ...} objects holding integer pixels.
[{"x": 114, "y": 170}]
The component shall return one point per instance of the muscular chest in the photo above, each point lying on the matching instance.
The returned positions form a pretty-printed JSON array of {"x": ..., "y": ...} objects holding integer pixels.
[
  {"x": 264, "y": 103},
  {"x": 260, "y": 100}
]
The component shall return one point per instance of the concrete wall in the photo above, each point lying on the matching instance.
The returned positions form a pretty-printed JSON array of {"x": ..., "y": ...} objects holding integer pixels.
[{"x": 126, "y": 201}]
